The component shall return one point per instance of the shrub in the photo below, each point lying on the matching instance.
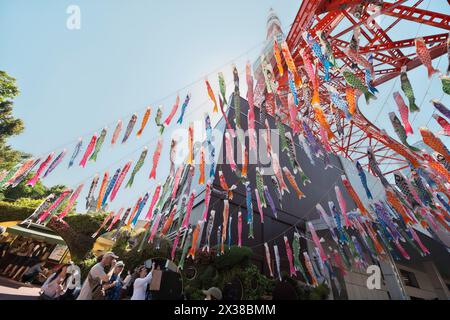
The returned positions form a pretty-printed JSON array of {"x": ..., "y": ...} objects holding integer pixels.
[
  {"x": 235, "y": 256},
  {"x": 85, "y": 224},
  {"x": 86, "y": 265},
  {"x": 10, "y": 211}
]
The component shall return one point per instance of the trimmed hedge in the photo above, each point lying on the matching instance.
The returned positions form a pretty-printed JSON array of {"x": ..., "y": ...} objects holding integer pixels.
[
  {"x": 80, "y": 244},
  {"x": 12, "y": 212},
  {"x": 218, "y": 270},
  {"x": 76, "y": 230},
  {"x": 85, "y": 224}
]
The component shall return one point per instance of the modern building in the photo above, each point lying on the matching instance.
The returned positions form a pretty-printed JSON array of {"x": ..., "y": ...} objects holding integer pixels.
[{"x": 421, "y": 277}]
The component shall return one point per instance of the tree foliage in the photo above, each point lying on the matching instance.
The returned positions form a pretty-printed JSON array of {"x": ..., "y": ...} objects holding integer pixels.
[
  {"x": 9, "y": 125},
  {"x": 39, "y": 191},
  {"x": 8, "y": 87}
]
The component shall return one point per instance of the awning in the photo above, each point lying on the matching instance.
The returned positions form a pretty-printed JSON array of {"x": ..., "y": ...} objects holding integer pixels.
[{"x": 41, "y": 234}]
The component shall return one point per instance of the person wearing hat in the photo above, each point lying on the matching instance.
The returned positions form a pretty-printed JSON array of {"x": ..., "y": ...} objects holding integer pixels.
[
  {"x": 114, "y": 286},
  {"x": 213, "y": 293},
  {"x": 92, "y": 286}
]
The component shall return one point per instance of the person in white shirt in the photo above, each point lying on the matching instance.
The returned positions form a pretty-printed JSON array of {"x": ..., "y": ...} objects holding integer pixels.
[
  {"x": 127, "y": 280},
  {"x": 141, "y": 283},
  {"x": 96, "y": 276},
  {"x": 52, "y": 288},
  {"x": 72, "y": 284}
]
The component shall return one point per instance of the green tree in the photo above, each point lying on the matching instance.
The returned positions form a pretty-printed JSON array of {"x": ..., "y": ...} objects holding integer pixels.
[
  {"x": 8, "y": 87},
  {"x": 39, "y": 191},
  {"x": 9, "y": 125}
]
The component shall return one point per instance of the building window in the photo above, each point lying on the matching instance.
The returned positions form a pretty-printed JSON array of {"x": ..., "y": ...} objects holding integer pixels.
[{"x": 409, "y": 279}]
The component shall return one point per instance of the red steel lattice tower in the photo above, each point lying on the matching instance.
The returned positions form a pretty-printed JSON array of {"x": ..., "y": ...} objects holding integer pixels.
[{"x": 389, "y": 57}]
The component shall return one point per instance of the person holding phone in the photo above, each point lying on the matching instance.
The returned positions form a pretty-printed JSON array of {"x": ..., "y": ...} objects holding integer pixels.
[{"x": 141, "y": 283}]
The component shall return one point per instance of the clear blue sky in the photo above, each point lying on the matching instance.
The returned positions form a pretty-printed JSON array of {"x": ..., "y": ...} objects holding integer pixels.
[{"x": 128, "y": 55}]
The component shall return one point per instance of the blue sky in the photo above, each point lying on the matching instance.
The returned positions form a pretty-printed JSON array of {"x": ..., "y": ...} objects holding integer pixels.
[
  {"x": 123, "y": 58},
  {"x": 128, "y": 56}
]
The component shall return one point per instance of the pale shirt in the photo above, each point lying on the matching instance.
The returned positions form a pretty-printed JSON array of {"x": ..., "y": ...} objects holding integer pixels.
[
  {"x": 126, "y": 281},
  {"x": 51, "y": 287},
  {"x": 74, "y": 280},
  {"x": 140, "y": 287},
  {"x": 97, "y": 272}
]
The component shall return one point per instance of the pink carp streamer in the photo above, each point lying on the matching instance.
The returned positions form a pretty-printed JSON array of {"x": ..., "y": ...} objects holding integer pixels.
[
  {"x": 268, "y": 258},
  {"x": 251, "y": 110},
  {"x": 116, "y": 133},
  {"x": 54, "y": 205},
  {"x": 174, "y": 110},
  {"x": 176, "y": 182},
  {"x": 189, "y": 206},
  {"x": 120, "y": 179},
  {"x": 115, "y": 219},
  {"x": 207, "y": 199},
  {"x": 239, "y": 226},
  {"x": 89, "y": 150},
  {"x": 317, "y": 241},
  {"x": 156, "y": 156},
  {"x": 35, "y": 178},
  {"x": 105, "y": 221},
  {"x": 290, "y": 257},
  {"x": 404, "y": 112},
  {"x": 293, "y": 114},
  {"x": 149, "y": 214},
  {"x": 424, "y": 55},
  {"x": 73, "y": 197},
  {"x": 154, "y": 227},
  {"x": 342, "y": 205},
  {"x": 230, "y": 151}
]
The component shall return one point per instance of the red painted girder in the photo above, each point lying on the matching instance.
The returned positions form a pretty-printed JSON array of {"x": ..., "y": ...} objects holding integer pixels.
[
  {"x": 333, "y": 5},
  {"x": 435, "y": 19},
  {"x": 413, "y": 63},
  {"x": 418, "y": 2},
  {"x": 302, "y": 21},
  {"x": 442, "y": 37},
  {"x": 380, "y": 35},
  {"x": 328, "y": 22},
  {"x": 339, "y": 54},
  {"x": 394, "y": 5}
]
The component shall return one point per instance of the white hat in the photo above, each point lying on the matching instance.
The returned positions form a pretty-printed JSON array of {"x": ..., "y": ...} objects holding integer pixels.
[
  {"x": 214, "y": 292},
  {"x": 120, "y": 264}
]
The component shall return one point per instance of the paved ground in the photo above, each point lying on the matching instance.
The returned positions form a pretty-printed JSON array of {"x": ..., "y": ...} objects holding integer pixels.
[{"x": 13, "y": 290}]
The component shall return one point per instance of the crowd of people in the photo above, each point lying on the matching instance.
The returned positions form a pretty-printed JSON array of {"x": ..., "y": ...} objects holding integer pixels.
[
  {"x": 19, "y": 256},
  {"x": 105, "y": 281},
  {"x": 26, "y": 260}
]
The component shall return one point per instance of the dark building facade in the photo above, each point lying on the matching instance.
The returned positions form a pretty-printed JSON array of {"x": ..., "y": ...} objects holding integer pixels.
[{"x": 291, "y": 212}]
